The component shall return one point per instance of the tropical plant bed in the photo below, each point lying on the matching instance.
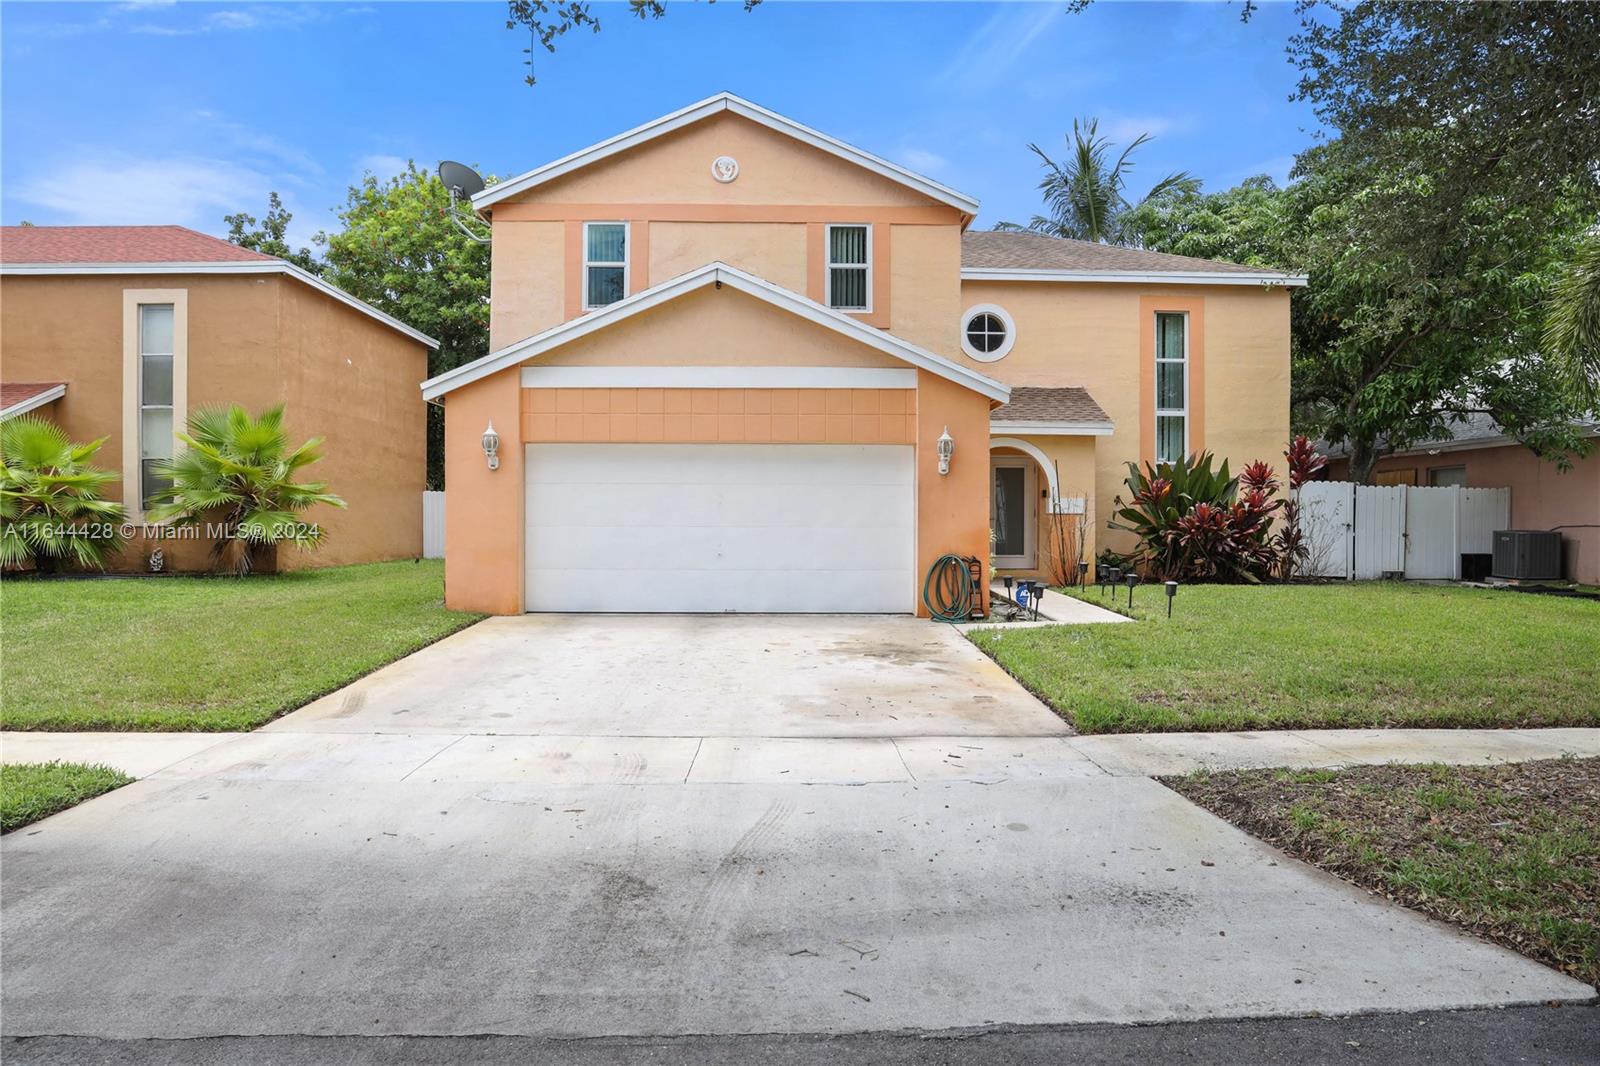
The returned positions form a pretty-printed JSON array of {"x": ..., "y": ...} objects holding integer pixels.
[
  {"x": 1510, "y": 852},
  {"x": 31, "y": 791},
  {"x": 207, "y": 653},
  {"x": 1362, "y": 655}
]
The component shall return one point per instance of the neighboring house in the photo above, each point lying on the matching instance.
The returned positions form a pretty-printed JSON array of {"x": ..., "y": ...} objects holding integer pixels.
[
  {"x": 121, "y": 331},
  {"x": 725, "y": 347},
  {"x": 1478, "y": 454}
]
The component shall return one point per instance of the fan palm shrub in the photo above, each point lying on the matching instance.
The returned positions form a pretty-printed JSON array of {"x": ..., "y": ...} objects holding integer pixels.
[
  {"x": 237, "y": 475},
  {"x": 51, "y": 513}
]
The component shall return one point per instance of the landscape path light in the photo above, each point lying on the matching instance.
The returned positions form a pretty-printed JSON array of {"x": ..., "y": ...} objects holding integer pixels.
[{"x": 1172, "y": 591}]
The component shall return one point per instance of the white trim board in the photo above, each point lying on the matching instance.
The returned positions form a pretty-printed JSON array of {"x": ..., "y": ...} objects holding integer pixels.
[
  {"x": 235, "y": 266},
  {"x": 1260, "y": 279},
  {"x": 22, "y": 407},
  {"x": 718, "y": 274},
  {"x": 717, "y": 377},
  {"x": 1055, "y": 429},
  {"x": 706, "y": 108}
]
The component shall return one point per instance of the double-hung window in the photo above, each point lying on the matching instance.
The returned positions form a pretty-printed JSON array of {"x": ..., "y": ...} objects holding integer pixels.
[
  {"x": 1172, "y": 386},
  {"x": 605, "y": 263},
  {"x": 850, "y": 268},
  {"x": 155, "y": 396}
]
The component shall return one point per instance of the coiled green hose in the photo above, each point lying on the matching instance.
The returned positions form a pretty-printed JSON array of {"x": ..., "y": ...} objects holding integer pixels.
[{"x": 949, "y": 592}]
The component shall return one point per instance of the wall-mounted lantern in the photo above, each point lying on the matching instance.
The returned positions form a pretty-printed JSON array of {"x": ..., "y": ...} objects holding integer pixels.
[
  {"x": 947, "y": 448},
  {"x": 491, "y": 446}
]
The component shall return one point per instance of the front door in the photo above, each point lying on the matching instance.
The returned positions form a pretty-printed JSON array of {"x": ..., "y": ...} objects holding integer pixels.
[{"x": 1012, "y": 512}]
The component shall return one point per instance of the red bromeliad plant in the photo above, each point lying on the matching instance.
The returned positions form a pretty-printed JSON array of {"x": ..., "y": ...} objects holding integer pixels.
[
  {"x": 1196, "y": 522},
  {"x": 1290, "y": 542}
]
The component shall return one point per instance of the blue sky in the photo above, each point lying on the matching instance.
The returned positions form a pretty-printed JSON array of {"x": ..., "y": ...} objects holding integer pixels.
[{"x": 159, "y": 112}]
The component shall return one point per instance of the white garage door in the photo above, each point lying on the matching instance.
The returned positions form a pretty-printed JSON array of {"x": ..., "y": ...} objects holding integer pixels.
[{"x": 720, "y": 527}]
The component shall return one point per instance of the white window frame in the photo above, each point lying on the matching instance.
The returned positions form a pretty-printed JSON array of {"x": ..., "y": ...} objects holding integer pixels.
[
  {"x": 1030, "y": 511},
  {"x": 1170, "y": 412},
  {"x": 132, "y": 386},
  {"x": 1005, "y": 346},
  {"x": 829, "y": 266},
  {"x": 627, "y": 250}
]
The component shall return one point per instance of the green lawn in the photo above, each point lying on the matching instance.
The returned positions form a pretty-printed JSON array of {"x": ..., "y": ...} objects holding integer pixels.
[
  {"x": 1510, "y": 852},
  {"x": 34, "y": 790},
  {"x": 206, "y": 653},
  {"x": 1317, "y": 656}
]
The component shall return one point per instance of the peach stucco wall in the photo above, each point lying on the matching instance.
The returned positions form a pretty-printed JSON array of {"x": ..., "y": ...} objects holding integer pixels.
[
  {"x": 259, "y": 341},
  {"x": 1100, "y": 337},
  {"x": 719, "y": 416},
  {"x": 1542, "y": 497},
  {"x": 770, "y": 222},
  {"x": 952, "y": 509},
  {"x": 483, "y": 522}
]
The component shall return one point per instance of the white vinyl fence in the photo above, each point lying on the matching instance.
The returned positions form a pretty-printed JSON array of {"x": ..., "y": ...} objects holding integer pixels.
[
  {"x": 1360, "y": 532},
  {"x": 433, "y": 525}
]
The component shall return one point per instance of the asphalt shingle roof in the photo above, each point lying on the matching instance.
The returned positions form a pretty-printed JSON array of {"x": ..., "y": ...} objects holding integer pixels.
[
  {"x": 1029, "y": 404},
  {"x": 15, "y": 392},
  {"x": 1035, "y": 251},
  {"x": 117, "y": 244}
]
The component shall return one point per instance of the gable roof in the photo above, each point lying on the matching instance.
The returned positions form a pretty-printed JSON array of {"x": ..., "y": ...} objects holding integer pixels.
[
  {"x": 68, "y": 250},
  {"x": 995, "y": 255},
  {"x": 718, "y": 274},
  {"x": 705, "y": 109},
  {"x": 118, "y": 244}
]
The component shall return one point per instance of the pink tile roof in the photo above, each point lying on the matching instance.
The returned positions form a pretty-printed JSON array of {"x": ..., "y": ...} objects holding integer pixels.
[{"x": 117, "y": 244}]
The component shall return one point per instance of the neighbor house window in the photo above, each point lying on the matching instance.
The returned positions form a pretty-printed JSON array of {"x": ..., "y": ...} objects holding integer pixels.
[
  {"x": 850, "y": 268},
  {"x": 1172, "y": 386},
  {"x": 155, "y": 396},
  {"x": 605, "y": 263},
  {"x": 1442, "y": 476}
]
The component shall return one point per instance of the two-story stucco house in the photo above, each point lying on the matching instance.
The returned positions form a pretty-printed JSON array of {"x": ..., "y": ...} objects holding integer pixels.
[{"x": 725, "y": 349}]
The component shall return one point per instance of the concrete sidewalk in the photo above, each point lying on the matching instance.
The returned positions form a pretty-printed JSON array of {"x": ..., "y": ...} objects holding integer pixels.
[{"x": 285, "y": 755}]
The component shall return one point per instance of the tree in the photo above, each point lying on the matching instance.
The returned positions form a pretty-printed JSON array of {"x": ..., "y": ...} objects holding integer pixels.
[
  {"x": 1086, "y": 194},
  {"x": 238, "y": 472},
  {"x": 268, "y": 238},
  {"x": 1248, "y": 224},
  {"x": 548, "y": 20},
  {"x": 1572, "y": 325},
  {"x": 400, "y": 252},
  {"x": 50, "y": 507}
]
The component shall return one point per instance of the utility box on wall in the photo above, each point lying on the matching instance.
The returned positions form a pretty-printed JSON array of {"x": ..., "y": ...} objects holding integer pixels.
[{"x": 1527, "y": 554}]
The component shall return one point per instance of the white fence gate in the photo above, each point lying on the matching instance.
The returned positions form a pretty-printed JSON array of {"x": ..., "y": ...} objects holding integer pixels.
[
  {"x": 433, "y": 525},
  {"x": 1366, "y": 531}
]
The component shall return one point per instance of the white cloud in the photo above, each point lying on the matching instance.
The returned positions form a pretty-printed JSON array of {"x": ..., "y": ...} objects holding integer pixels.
[
  {"x": 1125, "y": 128},
  {"x": 382, "y": 166},
  {"x": 922, "y": 160},
  {"x": 989, "y": 54},
  {"x": 107, "y": 188}
]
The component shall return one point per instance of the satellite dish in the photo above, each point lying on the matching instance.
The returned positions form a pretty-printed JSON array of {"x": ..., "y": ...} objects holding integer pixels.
[{"x": 460, "y": 179}]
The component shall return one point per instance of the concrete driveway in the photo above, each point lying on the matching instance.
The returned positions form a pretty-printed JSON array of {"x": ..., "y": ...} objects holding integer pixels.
[{"x": 627, "y": 853}]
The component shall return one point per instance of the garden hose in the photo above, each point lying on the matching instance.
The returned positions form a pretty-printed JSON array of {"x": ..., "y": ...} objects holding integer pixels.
[{"x": 949, "y": 592}]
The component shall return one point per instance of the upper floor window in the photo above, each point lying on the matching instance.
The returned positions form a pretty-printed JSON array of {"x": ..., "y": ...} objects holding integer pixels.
[
  {"x": 156, "y": 438},
  {"x": 850, "y": 268},
  {"x": 987, "y": 332},
  {"x": 1172, "y": 386},
  {"x": 605, "y": 263}
]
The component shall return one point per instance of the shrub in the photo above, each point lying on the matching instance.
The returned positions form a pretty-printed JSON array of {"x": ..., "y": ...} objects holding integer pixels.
[
  {"x": 51, "y": 513},
  {"x": 1195, "y": 521},
  {"x": 238, "y": 474},
  {"x": 1290, "y": 542}
]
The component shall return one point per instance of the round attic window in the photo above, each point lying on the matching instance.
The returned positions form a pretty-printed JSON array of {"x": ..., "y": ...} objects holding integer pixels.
[{"x": 987, "y": 333}]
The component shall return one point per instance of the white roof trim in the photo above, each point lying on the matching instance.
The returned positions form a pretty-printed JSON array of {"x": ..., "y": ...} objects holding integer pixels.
[
  {"x": 23, "y": 406},
  {"x": 1054, "y": 429},
  {"x": 233, "y": 266},
  {"x": 721, "y": 274},
  {"x": 705, "y": 109},
  {"x": 1263, "y": 279}
]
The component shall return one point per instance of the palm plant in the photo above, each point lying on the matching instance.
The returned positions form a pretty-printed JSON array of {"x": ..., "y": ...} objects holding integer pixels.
[
  {"x": 1572, "y": 323},
  {"x": 51, "y": 512},
  {"x": 1086, "y": 194},
  {"x": 237, "y": 474}
]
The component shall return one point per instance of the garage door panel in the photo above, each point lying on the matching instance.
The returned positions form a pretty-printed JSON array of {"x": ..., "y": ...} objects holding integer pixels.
[{"x": 735, "y": 527}]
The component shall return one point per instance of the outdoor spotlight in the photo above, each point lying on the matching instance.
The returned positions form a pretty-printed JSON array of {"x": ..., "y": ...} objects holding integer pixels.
[
  {"x": 947, "y": 448},
  {"x": 1009, "y": 580},
  {"x": 491, "y": 446},
  {"x": 1172, "y": 590},
  {"x": 1083, "y": 574},
  {"x": 1132, "y": 579}
]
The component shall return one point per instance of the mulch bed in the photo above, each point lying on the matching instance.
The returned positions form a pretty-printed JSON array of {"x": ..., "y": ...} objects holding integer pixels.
[{"x": 1510, "y": 852}]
